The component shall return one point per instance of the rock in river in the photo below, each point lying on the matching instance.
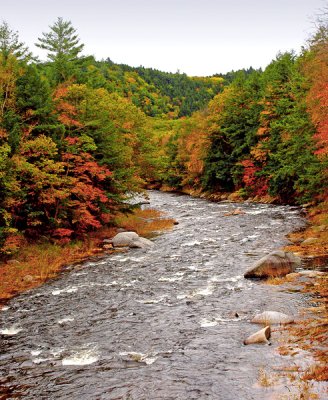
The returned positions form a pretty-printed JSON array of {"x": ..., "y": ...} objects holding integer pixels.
[
  {"x": 261, "y": 336},
  {"x": 277, "y": 263},
  {"x": 130, "y": 239},
  {"x": 272, "y": 317}
]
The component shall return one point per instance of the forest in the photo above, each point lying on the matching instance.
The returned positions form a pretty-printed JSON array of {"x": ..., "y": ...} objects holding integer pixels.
[{"x": 78, "y": 137}]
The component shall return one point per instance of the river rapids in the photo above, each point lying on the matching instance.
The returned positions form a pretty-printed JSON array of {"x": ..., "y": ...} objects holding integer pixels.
[{"x": 167, "y": 322}]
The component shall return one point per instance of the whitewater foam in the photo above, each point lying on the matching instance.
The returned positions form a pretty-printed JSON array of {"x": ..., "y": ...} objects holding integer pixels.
[{"x": 13, "y": 330}]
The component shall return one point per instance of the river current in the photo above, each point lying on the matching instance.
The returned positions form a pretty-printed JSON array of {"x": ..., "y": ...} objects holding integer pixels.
[{"x": 166, "y": 322}]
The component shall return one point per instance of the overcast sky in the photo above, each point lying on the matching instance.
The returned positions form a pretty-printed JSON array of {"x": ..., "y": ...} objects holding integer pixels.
[{"x": 198, "y": 37}]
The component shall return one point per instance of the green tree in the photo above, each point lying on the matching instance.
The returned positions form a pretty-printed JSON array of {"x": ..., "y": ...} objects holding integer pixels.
[
  {"x": 33, "y": 96},
  {"x": 284, "y": 152},
  {"x": 63, "y": 45},
  {"x": 232, "y": 125},
  {"x": 10, "y": 45}
]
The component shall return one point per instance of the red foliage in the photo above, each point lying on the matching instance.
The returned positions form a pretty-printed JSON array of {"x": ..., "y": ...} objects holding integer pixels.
[
  {"x": 88, "y": 195},
  {"x": 258, "y": 185},
  {"x": 12, "y": 244},
  {"x": 66, "y": 111},
  {"x": 62, "y": 235}
]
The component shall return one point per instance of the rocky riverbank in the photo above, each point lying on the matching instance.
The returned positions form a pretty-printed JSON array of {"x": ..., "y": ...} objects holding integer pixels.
[
  {"x": 36, "y": 263},
  {"x": 168, "y": 321},
  {"x": 306, "y": 334}
]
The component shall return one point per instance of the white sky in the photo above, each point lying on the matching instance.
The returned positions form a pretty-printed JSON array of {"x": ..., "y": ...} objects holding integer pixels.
[{"x": 198, "y": 37}]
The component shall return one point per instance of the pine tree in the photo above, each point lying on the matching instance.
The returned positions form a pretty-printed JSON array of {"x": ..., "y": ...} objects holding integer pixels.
[
  {"x": 63, "y": 47},
  {"x": 10, "y": 44}
]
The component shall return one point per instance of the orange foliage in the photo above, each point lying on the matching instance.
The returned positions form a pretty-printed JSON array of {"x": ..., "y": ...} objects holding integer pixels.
[
  {"x": 262, "y": 131},
  {"x": 66, "y": 111},
  {"x": 316, "y": 68},
  {"x": 258, "y": 152},
  {"x": 3, "y": 134},
  {"x": 192, "y": 145}
]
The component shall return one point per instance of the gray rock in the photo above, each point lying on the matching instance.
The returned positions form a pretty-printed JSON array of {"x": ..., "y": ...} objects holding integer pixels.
[
  {"x": 272, "y": 317},
  {"x": 277, "y": 263},
  {"x": 130, "y": 239},
  {"x": 142, "y": 243},
  {"x": 124, "y": 239}
]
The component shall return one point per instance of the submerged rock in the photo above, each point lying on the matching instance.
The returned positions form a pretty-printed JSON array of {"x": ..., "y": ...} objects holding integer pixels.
[
  {"x": 277, "y": 263},
  {"x": 130, "y": 239},
  {"x": 272, "y": 317},
  {"x": 237, "y": 211},
  {"x": 261, "y": 336}
]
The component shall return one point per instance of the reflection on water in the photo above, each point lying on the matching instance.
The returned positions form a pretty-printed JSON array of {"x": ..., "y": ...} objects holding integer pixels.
[{"x": 163, "y": 323}]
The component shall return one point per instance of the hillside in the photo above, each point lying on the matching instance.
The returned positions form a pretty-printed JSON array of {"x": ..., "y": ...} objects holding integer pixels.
[{"x": 156, "y": 93}]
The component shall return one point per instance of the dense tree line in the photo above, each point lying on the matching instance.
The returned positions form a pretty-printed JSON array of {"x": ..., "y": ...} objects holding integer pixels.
[
  {"x": 187, "y": 94},
  {"x": 78, "y": 136},
  {"x": 70, "y": 150},
  {"x": 264, "y": 135}
]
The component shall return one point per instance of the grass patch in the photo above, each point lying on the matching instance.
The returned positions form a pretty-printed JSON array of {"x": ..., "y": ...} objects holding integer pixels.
[
  {"x": 316, "y": 372},
  {"x": 267, "y": 380},
  {"x": 281, "y": 280},
  {"x": 146, "y": 223},
  {"x": 38, "y": 262},
  {"x": 318, "y": 229}
]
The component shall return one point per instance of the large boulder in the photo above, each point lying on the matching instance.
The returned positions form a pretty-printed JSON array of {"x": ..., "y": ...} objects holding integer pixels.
[
  {"x": 277, "y": 263},
  {"x": 130, "y": 239},
  {"x": 272, "y": 317}
]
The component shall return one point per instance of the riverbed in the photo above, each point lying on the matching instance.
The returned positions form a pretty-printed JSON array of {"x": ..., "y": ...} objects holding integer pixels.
[{"x": 166, "y": 322}]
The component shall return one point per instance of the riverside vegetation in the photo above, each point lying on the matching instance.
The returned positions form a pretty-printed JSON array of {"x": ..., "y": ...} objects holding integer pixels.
[{"x": 79, "y": 137}]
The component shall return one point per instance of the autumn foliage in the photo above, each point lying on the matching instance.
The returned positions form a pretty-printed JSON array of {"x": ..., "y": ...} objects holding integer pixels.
[{"x": 78, "y": 136}]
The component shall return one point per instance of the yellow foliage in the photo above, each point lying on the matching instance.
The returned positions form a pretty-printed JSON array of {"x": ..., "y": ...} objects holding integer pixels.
[{"x": 258, "y": 153}]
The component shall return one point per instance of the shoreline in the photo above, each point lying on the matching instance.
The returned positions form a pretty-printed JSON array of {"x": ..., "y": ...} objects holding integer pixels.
[
  {"x": 311, "y": 244},
  {"x": 36, "y": 263}
]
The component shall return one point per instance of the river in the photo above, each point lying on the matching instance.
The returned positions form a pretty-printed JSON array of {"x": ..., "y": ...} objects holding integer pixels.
[{"x": 163, "y": 323}]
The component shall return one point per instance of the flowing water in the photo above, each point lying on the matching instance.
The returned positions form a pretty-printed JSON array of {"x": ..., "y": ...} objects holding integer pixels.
[{"x": 162, "y": 323}]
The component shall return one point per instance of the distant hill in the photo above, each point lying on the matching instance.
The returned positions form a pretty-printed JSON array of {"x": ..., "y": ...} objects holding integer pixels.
[{"x": 157, "y": 93}]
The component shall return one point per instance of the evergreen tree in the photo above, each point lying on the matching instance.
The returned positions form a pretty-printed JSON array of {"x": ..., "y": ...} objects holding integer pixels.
[
  {"x": 10, "y": 45},
  {"x": 232, "y": 126},
  {"x": 283, "y": 157},
  {"x": 63, "y": 47}
]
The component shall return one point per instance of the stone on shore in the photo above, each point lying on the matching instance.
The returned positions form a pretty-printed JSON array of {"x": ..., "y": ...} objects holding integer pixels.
[
  {"x": 272, "y": 317},
  {"x": 309, "y": 241},
  {"x": 260, "y": 336},
  {"x": 130, "y": 239},
  {"x": 277, "y": 263}
]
